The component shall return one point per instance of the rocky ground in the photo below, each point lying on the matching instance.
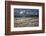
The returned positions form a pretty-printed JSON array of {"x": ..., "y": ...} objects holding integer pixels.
[{"x": 26, "y": 21}]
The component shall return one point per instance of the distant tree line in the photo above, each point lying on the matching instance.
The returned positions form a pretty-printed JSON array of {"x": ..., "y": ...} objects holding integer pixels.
[{"x": 28, "y": 16}]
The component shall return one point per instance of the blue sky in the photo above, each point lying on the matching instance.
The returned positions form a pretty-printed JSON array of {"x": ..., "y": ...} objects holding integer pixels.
[{"x": 25, "y": 12}]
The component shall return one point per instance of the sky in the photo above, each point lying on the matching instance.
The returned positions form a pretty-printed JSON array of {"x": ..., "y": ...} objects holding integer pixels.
[{"x": 25, "y": 12}]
